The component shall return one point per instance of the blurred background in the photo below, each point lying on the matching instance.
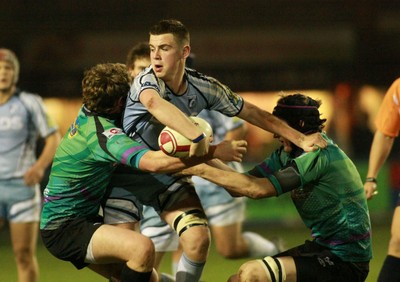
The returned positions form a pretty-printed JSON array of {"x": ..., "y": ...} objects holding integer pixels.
[{"x": 342, "y": 52}]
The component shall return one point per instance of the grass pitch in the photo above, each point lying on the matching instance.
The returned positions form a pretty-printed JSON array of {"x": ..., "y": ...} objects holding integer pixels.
[{"x": 217, "y": 268}]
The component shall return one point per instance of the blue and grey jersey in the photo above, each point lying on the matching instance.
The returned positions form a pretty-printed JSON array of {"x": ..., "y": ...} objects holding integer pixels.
[
  {"x": 23, "y": 118},
  {"x": 203, "y": 92}
]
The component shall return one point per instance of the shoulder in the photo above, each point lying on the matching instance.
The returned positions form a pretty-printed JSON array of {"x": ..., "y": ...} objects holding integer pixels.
[
  {"x": 28, "y": 98},
  {"x": 196, "y": 76},
  {"x": 396, "y": 83},
  {"x": 147, "y": 79}
]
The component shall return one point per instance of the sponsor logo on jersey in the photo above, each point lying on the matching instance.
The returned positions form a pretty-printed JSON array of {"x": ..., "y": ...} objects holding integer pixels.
[
  {"x": 11, "y": 123},
  {"x": 110, "y": 133},
  {"x": 73, "y": 129}
]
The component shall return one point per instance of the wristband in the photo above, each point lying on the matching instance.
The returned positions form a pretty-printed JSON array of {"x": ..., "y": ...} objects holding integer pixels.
[
  {"x": 199, "y": 138},
  {"x": 371, "y": 179}
]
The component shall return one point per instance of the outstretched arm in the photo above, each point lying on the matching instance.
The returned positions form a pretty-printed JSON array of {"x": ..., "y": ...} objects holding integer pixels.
[
  {"x": 157, "y": 161},
  {"x": 271, "y": 123},
  {"x": 234, "y": 182}
]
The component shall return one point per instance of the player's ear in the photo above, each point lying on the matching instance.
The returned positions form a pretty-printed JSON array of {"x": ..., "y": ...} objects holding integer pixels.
[{"x": 186, "y": 51}]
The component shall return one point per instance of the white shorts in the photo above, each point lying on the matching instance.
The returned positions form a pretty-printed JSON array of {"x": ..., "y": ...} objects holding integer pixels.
[
  {"x": 165, "y": 238},
  {"x": 227, "y": 214},
  {"x": 18, "y": 202}
]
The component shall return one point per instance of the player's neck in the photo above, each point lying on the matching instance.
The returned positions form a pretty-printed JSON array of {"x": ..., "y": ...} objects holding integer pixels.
[
  {"x": 179, "y": 87},
  {"x": 5, "y": 94}
]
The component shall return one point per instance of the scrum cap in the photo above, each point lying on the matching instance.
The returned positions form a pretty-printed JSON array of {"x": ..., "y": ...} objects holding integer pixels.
[
  {"x": 9, "y": 56},
  {"x": 300, "y": 112}
]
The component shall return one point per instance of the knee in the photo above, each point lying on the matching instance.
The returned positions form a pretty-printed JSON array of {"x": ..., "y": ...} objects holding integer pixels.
[
  {"x": 196, "y": 240},
  {"x": 250, "y": 271},
  {"x": 144, "y": 255},
  {"x": 24, "y": 256},
  {"x": 192, "y": 228}
]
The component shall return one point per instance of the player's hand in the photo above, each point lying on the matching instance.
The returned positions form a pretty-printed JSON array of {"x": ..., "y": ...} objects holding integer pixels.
[
  {"x": 201, "y": 148},
  {"x": 370, "y": 189},
  {"x": 313, "y": 142},
  {"x": 34, "y": 175},
  {"x": 229, "y": 151}
]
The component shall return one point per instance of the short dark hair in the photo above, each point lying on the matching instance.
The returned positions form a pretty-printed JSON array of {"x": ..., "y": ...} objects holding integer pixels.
[
  {"x": 300, "y": 112},
  {"x": 103, "y": 85},
  {"x": 173, "y": 26},
  {"x": 140, "y": 50}
]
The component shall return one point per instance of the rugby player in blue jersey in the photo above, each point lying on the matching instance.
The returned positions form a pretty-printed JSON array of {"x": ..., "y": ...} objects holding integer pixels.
[
  {"x": 23, "y": 119},
  {"x": 328, "y": 193},
  {"x": 166, "y": 93}
]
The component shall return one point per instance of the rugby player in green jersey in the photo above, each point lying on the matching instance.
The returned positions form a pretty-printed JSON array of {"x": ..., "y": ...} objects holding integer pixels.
[
  {"x": 328, "y": 193},
  {"x": 71, "y": 227}
]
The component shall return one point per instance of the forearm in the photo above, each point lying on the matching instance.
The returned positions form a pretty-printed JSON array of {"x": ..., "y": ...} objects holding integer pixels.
[
  {"x": 236, "y": 183},
  {"x": 49, "y": 149},
  {"x": 380, "y": 150},
  {"x": 269, "y": 122},
  {"x": 169, "y": 115},
  {"x": 158, "y": 162}
]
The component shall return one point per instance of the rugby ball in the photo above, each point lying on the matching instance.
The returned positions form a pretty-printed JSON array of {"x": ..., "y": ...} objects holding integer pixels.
[{"x": 175, "y": 144}]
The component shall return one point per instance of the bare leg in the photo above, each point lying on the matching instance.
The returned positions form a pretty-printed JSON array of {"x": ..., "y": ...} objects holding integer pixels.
[{"x": 24, "y": 239}]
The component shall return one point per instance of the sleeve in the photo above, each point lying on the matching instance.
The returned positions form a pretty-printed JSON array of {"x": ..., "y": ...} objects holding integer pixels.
[
  {"x": 388, "y": 118},
  {"x": 122, "y": 149},
  {"x": 39, "y": 116},
  {"x": 302, "y": 170},
  {"x": 267, "y": 169},
  {"x": 222, "y": 98},
  {"x": 145, "y": 80}
]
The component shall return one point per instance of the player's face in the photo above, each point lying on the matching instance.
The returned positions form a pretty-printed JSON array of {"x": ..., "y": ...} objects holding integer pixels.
[
  {"x": 287, "y": 145},
  {"x": 139, "y": 65},
  {"x": 6, "y": 75},
  {"x": 167, "y": 56}
]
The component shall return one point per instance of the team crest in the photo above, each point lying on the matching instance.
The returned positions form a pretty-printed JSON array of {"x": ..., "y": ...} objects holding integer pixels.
[
  {"x": 192, "y": 101},
  {"x": 73, "y": 130}
]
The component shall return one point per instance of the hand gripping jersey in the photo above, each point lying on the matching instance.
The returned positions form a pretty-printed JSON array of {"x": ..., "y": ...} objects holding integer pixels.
[
  {"x": 22, "y": 120},
  {"x": 82, "y": 166},
  {"x": 331, "y": 199}
]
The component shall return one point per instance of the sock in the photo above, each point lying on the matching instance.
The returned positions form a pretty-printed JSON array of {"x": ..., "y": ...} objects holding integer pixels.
[
  {"x": 390, "y": 270},
  {"x": 130, "y": 275},
  {"x": 189, "y": 271},
  {"x": 174, "y": 267},
  {"x": 259, "y": 246},
  {"x": 165, "y": 277}
]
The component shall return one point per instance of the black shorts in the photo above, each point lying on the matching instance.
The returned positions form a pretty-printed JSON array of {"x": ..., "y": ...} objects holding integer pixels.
[
  {"x": 316, "y": 263},
  {"x": 71, "y": 240}
]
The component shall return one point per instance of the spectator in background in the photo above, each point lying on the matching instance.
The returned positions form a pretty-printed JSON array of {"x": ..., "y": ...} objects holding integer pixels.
[
  {"x": 388, "y": 126},
  {"x": 23, "y": 119}
]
